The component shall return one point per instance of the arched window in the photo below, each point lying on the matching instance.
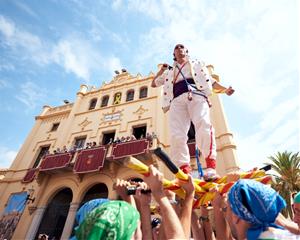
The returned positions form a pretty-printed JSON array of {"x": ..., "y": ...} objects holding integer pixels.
[
  {"x": 104, "y": 101},
  {"x": 143, "y": 92},
  {"x": 93, "y": 103},
  {"x": 117, "y": 98},
  {"x": 130, "y": 95}
]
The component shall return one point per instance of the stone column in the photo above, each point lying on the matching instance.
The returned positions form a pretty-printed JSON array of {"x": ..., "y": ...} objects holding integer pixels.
[
  {"x": 69, "y": 221},
  {"x": 36, "y": 221},
  {"x": 226, "y": 148}
]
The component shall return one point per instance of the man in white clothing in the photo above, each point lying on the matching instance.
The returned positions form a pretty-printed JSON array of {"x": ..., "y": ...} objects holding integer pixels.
[{"x": 187, "y": 86}]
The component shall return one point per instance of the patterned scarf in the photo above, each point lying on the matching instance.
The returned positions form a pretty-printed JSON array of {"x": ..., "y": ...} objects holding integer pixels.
[
  {"x": 257, "y": 204},
  {"x": 84, "y": 210},
  {"x": 87, "y": 208},
  {"x": 114, "y": 220}
]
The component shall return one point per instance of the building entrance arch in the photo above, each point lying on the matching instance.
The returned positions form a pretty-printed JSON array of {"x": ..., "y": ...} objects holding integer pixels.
[
  {"x": 56, "y": 213},
  {"x": 99, "y": 190}
]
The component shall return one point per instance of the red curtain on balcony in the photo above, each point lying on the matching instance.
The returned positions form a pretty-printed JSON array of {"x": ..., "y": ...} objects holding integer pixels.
[
  {"x": 192, "y": 149},
  {"x": 30, "y": 175},
  {"x": 56, "y": 161},
  {"x": 125, "y": 149},
  {"x": 90, "y": 160}
]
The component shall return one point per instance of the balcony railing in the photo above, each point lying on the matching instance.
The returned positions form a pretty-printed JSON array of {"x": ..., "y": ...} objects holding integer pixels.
[
  {"x": 132, "y": 148},
  {"x": 56, "y": 161},
  {"x": 90, "y": 160},
  {"x": 30, "y": 175}
]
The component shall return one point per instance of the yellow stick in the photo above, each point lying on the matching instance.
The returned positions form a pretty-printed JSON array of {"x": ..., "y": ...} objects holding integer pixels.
[
  {"x": 202, "y": 188},
  {"x": 141, "y": 168}
]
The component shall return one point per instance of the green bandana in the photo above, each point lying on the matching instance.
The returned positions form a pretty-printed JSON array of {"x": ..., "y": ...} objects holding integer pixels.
[
  {"x": 112, "y": 220},
  {"x": 297, "y": 198}
]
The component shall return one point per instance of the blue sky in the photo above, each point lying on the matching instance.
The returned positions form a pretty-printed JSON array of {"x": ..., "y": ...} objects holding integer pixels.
[{"x": 48, "y": 48}]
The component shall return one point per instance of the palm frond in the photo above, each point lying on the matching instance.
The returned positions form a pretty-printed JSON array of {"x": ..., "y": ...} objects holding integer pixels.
[{"x": 287, "y": 178}]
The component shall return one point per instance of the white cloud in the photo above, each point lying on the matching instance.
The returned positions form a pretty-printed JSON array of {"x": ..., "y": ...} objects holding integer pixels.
[
  {"x": 6, "y": 27},
  {"x": 252, "y": 44},
  {"x": 287, "y": 107},
  {"x": 277, "y": 130},
  {"x": 281, "y": 134},
  {"x": 80, "y": 57},
  {"x": 25, "y": 8},
  {"x": 4, "y": 84},
  {"x": 6, "y": 67},
  {"x": 98, "y": 30},
  {"x": 6, "y": 156},
  {"x": 31, "y": 95},
  {"x": 251, "y": 50},
  {"x": 20, "y": 40},
  {"x": 116, "y": 4},
  {"x": 113, "y": 63},
  {"x": 148, "y": 7},
  {"x": 73, "y": 53},
  {"x": 253, "y": 150},
  {"x": 95, "y": 34}
]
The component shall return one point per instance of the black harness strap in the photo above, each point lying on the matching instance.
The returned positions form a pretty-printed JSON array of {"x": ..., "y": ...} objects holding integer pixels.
[{"x": 192, "y": 88}]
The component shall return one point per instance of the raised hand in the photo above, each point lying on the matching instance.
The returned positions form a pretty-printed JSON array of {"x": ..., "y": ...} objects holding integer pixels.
[
  {"x": 143, "y": 195},
  {"x": 155, "y": 182},
  {"x": 188, "y": 185},
  {"x": 229, "y": 91},
  {"x": 121, "y": 188}
]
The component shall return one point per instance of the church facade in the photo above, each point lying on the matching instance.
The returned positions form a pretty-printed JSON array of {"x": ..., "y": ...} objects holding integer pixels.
[{"x": 75, "y": 152}]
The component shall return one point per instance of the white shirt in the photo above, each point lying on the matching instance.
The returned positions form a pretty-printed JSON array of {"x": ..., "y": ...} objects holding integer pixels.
[
  {"x": 186, "y": 70},
  {"x": 200, "y": 74},
  {"x": 278, "y": 234}
]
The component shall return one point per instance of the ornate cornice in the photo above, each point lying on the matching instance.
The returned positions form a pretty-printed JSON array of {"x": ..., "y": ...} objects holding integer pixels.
[
  {"x": 224, "y": 135},
  {"x": 119, "y": 105},
  {"x": 116, "y": 85},
  {"x": 226, "y": 146},
  {"x": 62, "y": 114}
]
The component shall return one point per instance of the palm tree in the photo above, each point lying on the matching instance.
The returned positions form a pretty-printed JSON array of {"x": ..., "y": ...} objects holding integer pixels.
[{"x": 287, "y": 178}]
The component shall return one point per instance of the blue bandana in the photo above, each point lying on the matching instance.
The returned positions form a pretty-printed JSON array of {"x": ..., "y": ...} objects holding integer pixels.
[
  {"x": 85, "y": 209},
  {"x": 257, "y": 204}
]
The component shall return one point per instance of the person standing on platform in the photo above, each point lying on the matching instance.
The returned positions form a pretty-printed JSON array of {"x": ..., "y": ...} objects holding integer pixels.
[{"x": 187, "y": 86}]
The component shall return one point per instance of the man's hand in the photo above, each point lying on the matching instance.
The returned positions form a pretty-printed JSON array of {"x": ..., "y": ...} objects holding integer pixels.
[
  {"x": 155, "y": 182},
  {"x": 229, "y": 91},
  {"x": 220, "y": 201},
  {"x": 164, "y": 67},
  {"x": 217, "y": 201},
  {"x": 204, "y": 211},
  {"x": 188, "y": 186},
  {"x": 170, "y": 195},
  {"x": 143, "y": 198},
  {"x": 297, "y": 220},
  {"x": 121, "y": 188},
  {"x": 233, "y": 177}
]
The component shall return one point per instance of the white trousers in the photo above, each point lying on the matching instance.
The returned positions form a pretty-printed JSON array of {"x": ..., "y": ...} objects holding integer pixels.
[{"x": 182, "y": 112}]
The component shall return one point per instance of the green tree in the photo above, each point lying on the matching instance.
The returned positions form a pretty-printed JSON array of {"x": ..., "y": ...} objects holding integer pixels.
[{"x": 287, "y": 176}]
